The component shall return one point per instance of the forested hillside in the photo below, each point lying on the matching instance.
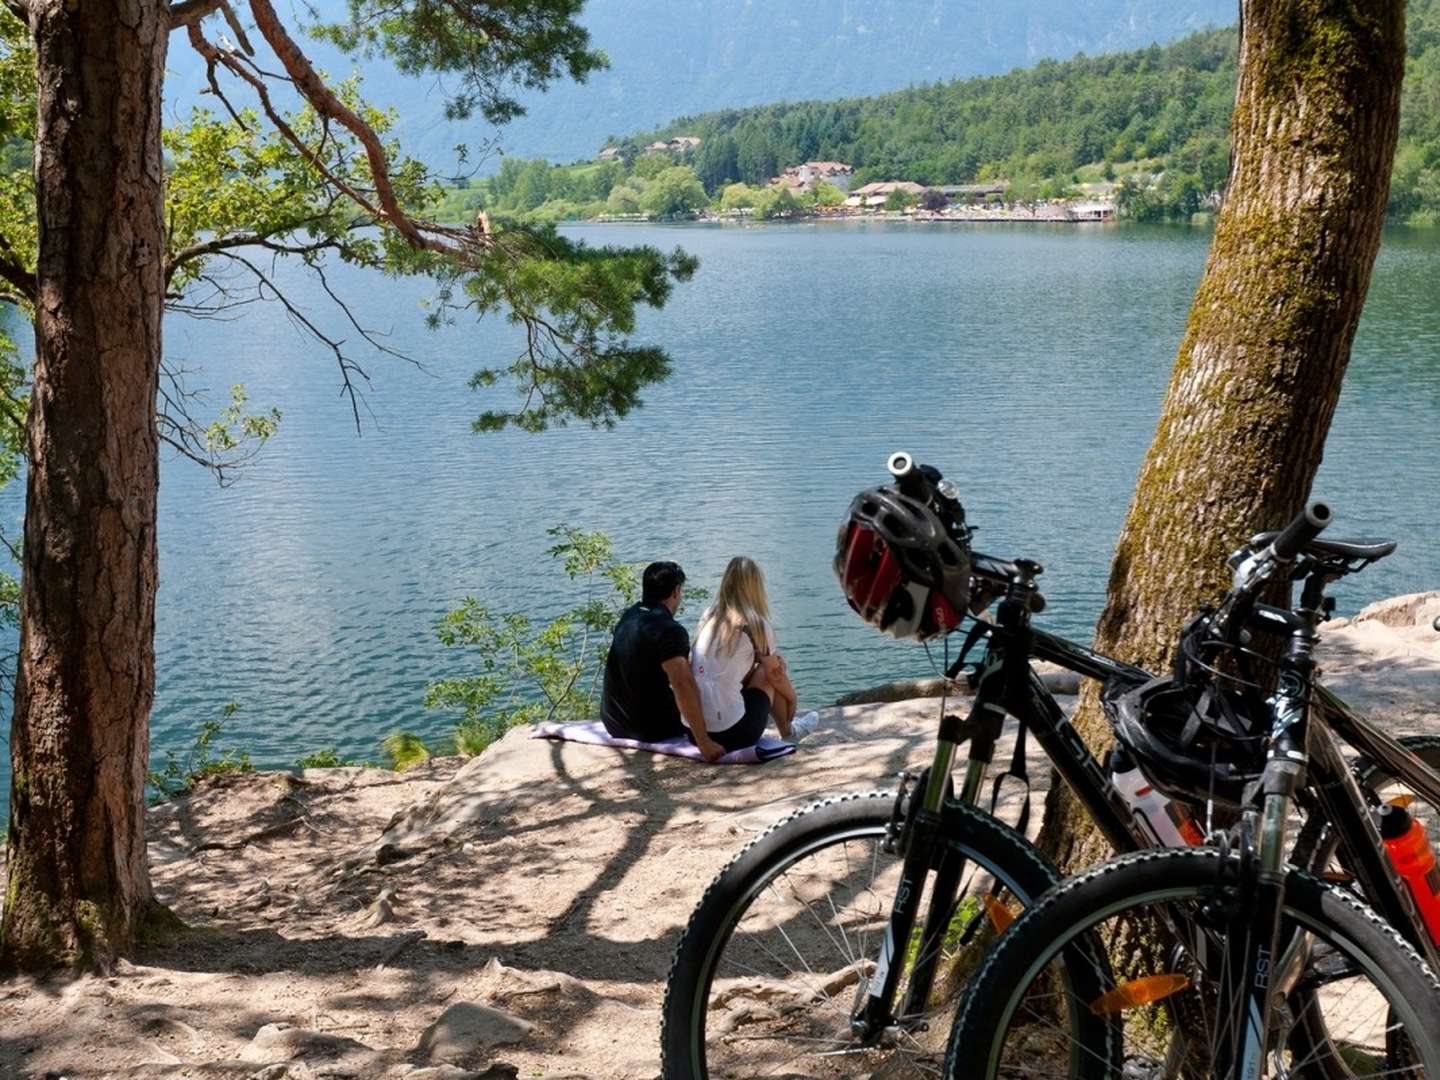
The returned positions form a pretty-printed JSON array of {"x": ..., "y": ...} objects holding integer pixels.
[
  {"x": 1041, "y": 122},
  {"x": 1155, "y": 119},
  {"x": 1168, "y": 107},
  {"x": 669, "y": 57}
]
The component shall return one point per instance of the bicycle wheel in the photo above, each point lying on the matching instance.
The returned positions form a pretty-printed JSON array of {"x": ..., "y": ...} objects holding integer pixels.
[
  {"x": 778, "y": 954},
  {"x": 1315, "y": 849},
  {"x": 1021, "y": 1014}
]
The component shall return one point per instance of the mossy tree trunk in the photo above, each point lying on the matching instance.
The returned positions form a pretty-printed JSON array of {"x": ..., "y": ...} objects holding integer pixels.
[
  {"x": 79, "y": 886},
  {"x": 1244, "y": 420}
]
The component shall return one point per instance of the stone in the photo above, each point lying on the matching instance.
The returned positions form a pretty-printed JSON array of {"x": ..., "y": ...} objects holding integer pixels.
[
  {"x": 285, "y": 1042},
  {"x": 466, "y": 1028}
]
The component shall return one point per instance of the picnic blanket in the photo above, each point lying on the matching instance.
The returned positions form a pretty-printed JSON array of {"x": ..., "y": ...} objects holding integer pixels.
[{"x": 593, "y": 732}]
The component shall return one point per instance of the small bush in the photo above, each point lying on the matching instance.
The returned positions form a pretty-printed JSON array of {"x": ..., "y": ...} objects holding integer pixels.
[
  {"x": 181, "y": 773},
  {"x": 529, "y": 673},
  {"x": 405, "y": 750},
  {"x": 329, "y": 758}
]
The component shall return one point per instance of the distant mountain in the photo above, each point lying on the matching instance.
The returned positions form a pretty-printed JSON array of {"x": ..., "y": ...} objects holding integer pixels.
[{"x": 675, "y": 57}]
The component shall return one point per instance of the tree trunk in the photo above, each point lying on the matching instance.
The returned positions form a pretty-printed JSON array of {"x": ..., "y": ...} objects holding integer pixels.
[
  {"x": 79, "y": 887},
  {"x": 1243, "y": 425}
]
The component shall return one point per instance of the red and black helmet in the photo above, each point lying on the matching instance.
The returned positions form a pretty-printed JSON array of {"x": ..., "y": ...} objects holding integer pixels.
[{"x": 901, "y": 569}]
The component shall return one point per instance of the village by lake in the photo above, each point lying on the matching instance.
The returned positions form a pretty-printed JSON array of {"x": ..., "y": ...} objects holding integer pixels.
[
  {"x": 663, "y": 182},
  {"x": 1028, "y": 363}
]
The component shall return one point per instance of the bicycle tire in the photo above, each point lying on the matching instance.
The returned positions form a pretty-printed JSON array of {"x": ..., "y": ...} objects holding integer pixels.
[
  {"x": 691, "y": 1047},
  {"x": 1148, "y": 881},
  {"x": 1314, "y": 851}
]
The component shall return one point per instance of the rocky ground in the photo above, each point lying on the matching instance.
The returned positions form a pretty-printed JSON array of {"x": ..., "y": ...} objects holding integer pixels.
[{"x": 512, "y": 915}]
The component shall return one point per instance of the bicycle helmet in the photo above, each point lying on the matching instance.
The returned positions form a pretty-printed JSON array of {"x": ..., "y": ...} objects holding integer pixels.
[
  {"x": 900, "y": 568},
  {"x": 1191, "y": 742}
]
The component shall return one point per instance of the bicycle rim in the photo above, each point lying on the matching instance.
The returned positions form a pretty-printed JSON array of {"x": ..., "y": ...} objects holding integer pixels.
[
  {"x": 1163, "y": 1016},
  {"x": 795, "y": 953}
]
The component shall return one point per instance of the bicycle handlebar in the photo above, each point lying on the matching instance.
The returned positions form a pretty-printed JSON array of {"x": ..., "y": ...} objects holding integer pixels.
[
  {"x": 926, "y": 484},
  {"x": 1256, "y": 570},
  {"x": 911, "y": 477},
  {"x": 1306, "y": 526}
]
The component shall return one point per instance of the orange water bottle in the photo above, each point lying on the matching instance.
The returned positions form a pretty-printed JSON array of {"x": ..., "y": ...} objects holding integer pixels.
[{"x": 1410, "y": 852}]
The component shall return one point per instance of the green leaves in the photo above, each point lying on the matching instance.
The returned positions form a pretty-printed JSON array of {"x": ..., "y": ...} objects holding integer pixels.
[
  {"x": 528, "y": 674},
  {"x": 200, "y": 760},
  {"x": 493, "y": 46},
  {"x": 405, "y": 750},
  {"x": 577, "y": 305}
]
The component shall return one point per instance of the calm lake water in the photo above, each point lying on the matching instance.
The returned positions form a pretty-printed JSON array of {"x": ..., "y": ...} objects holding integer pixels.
[{"x": 1027, "y": 362}]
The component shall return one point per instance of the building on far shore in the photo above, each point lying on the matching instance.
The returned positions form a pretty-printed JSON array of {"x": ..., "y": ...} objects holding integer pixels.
[
  {"x": 678, "y": 145},
  {"x": 1093, "y": 210},
  {"x": 969, "y": 193},
  {"x": 814, "y": 173},
  {"x": 872, "y": 196}
]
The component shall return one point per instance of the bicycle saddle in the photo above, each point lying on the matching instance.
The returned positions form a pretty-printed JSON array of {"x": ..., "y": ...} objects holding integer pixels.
[{"x": 1367, "y": 548}]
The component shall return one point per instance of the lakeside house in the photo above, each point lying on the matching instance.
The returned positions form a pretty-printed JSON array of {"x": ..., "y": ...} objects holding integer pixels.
[
  {"x": 611, "y": 153},
  {"x": 812, "y": 174},
  {"x": 1092, "y": 210},
  {"x": 969, "y": 193},
  {"x": 873, "y": 196}
]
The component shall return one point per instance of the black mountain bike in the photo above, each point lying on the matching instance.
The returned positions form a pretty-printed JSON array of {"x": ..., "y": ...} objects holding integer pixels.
[
  {"x": 832, "y": 944},
  {"x": 1225, "y": 962}
]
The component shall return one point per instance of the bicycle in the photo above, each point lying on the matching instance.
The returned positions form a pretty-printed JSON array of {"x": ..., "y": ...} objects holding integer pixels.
[
  {"x": 809, "y": 951},
  {"x": 1219, "y": 962}
]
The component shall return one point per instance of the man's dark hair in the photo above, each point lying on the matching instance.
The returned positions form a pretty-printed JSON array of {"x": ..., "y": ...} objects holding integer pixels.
[{"x": 660, "y": 581}]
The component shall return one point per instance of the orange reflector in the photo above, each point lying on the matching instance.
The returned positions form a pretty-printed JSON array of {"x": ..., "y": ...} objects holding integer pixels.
[
  {"x": 1137, "y": 992},
  {"x": 1000, "y": 915},
  {"x": 1402, "y": 800}
]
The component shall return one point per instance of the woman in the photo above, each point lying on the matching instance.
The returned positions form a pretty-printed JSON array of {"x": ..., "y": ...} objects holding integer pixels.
[{"x": 742, "y": 680}]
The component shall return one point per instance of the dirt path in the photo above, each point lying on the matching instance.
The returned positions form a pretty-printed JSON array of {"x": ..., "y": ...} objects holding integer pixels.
[{"x": 530, "y": 897}]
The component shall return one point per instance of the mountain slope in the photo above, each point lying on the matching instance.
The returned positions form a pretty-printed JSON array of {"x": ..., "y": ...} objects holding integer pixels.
[{"x": 674, "y": 57}]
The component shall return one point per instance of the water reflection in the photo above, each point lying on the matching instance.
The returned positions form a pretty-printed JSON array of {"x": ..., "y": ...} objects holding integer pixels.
[{"x": 1028, "y": 362}]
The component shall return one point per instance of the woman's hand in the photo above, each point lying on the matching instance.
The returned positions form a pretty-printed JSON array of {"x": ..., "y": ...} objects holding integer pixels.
[{"x": 709, "y": 748}]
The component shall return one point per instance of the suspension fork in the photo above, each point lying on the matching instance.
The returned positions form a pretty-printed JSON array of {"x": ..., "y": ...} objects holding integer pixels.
[
  {"x": 924, "y": 852},
  {"x": 1256, "y": 976},
  {"x": 1003, "y": 672}
]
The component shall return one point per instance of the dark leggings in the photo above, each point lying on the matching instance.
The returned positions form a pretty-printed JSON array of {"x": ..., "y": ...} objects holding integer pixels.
[{"x": 748, "y": 729}]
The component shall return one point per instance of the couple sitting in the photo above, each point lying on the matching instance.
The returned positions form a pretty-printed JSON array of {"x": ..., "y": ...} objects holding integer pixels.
[{"x": 722, "y": 693}]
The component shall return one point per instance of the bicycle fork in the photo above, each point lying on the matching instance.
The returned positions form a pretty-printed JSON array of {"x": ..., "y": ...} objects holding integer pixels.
[
  {"x": 923, "y": 853},
  {"x": 1257, "y": 974}
]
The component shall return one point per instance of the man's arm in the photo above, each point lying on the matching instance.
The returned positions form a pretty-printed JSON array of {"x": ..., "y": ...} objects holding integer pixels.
[{"x": 687, "y": 696}]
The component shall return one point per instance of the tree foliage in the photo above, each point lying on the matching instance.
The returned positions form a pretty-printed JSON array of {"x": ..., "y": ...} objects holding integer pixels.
[
  {"x": 253, "y": 182},
  {"x": 1159, "y": 116},
  {"x": 528, "y": 674},
  {"x": 201, "y": 217}
]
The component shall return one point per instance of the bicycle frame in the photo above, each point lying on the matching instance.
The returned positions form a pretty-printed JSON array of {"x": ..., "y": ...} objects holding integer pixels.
[
  {"x": 1305, "y": 721},
  {"x": 1007, "y": 684}
]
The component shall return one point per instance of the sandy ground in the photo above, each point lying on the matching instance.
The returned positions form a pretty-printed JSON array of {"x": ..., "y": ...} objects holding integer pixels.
[{"x": 527, "y": 900}]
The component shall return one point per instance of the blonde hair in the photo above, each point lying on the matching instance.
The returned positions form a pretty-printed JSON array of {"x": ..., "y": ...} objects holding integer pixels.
[{"x": 741, "y": 603}]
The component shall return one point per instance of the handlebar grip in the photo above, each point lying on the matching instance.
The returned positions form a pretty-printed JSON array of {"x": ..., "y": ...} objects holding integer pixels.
[
  {"x": 908, "y": 475},
  {"x": 1308, "y": 524}
]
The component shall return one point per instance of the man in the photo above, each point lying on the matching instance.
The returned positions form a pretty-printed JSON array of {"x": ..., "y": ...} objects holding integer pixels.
[{"x": 648, "y": 681}]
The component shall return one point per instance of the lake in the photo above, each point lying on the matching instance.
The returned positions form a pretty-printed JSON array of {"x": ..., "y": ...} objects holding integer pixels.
[{"x": 1027, "y": 362}]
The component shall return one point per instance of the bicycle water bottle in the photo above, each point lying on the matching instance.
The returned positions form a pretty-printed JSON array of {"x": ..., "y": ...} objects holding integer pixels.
[
  {"x": 1409, "y": 850},
  {"x": 1166, "y": 822}
]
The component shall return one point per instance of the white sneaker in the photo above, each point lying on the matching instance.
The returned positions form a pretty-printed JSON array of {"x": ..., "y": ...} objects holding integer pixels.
[{"x": 805, "y": 725}]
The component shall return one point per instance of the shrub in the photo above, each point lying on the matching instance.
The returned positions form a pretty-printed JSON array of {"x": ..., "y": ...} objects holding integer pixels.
[
  {"x": 182, "y": 773},
  {"x": 405, "y": 750},
  {"x": 329, "y": 758},
  {"x": 528, "y": 672}
]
